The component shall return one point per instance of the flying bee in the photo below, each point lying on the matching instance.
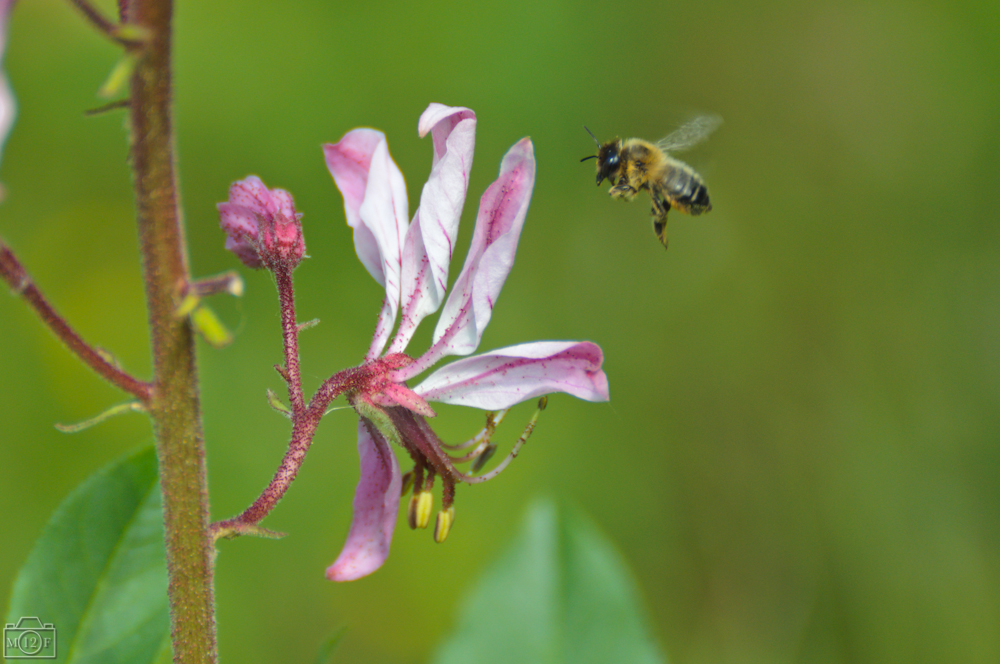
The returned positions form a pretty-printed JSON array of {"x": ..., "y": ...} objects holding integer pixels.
[{"x": 634, "y": 164}]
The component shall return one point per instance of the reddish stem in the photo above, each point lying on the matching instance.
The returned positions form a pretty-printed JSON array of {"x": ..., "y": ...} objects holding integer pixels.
[
  {"x": 90, "y": 12},
  {"x": 103, "y": 25},
  {"x": 290, "y": 335},
  {"x": 304, "y": 423},
  {"x": 21, "y": 284}
]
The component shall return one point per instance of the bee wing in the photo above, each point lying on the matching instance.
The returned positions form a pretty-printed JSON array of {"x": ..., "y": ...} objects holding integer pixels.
[{"x": 690, "y": 134}]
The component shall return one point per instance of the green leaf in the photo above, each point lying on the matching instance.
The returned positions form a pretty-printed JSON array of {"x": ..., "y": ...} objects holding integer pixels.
[
  {"x": 97, "y": 573},
  {"x": 210, "y": 327},
  {"x": 561, "y": 594},
  {"x": 119, "y": 76},
  {"x": 325, "y": 654}
]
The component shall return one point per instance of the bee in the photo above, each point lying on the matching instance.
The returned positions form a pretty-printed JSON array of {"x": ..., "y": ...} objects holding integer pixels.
[{"x": 634, "y": 164}]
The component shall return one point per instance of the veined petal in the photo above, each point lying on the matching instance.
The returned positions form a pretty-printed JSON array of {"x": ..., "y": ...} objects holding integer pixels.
[
  {"x": 8, "y": 107},
  {"x": 376, "y": 504},
  {"x": 469, "y": 307},
  {"x": 374, "y": 198},
  {"x": 348, "y": 162},
  {"x": 430, "y": 241},
  {"x": 507, "y": 376},
  {"x": 376, "y": 208}
]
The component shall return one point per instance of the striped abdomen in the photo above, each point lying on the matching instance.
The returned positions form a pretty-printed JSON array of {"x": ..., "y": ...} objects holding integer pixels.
[{"x": 684, "y": 188}]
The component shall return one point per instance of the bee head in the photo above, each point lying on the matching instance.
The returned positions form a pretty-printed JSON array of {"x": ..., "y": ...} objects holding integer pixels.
[
  {"x": 608, "y": 160},
  {"x": 607, "y": 157}
]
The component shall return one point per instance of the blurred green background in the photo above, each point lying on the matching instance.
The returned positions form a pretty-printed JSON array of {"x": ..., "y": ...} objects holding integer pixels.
[{"x": 800, "y": 460}]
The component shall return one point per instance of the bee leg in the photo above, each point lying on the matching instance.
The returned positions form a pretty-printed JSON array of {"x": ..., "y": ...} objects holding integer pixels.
[
  {"x": 622, "y": 191},
  {"x": 659, "y": 211}
]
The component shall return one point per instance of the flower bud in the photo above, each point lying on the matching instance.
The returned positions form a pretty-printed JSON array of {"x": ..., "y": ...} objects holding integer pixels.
[{"x": 262, "y": 226}]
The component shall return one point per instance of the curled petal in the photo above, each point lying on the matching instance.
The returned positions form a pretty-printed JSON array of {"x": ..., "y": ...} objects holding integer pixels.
[
  {"x": 374, "y": 198},
  {"x": 376, "y": 503},
  {"x": 348, "y": 162},
  {"x": 376, "y": 208},
  {"x": 8, "y": 107},
  {"x": 469, "y": 307},
  {"x": 502, "y": 210},
  {"x": 430, "y": 241},
  {"x": 507, "y": 376}
]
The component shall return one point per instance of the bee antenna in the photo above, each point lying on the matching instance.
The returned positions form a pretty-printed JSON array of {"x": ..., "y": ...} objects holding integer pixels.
[
  {"x": 593, "y": 156},
  {"x": 592, "y": 136}
]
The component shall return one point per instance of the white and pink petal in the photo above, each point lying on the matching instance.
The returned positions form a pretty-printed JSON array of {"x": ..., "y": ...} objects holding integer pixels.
[
  {"x": 507, "y": 376},
  {"x": 430, "y": 242},
  {"x": 376, "y": 207},
  {"x": 8, "y": 106},
  {"x": 374, "y": 194},
  {"x": 376, "y": 507},
  {"x": 469, "y": 307}
]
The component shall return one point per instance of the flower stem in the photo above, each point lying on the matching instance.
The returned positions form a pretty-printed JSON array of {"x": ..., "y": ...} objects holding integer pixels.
[
  {"x": 174, "y": 408},
  {"x": 290, "y": 334},
  {"x": 21, "y": 284},
  {"x": 305, "y": 418}
]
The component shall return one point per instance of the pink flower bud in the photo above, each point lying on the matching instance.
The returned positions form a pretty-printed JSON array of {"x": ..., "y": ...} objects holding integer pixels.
[{"x": 262, "y": 226}]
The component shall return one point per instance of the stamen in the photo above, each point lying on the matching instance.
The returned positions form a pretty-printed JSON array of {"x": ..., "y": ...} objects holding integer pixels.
[
  {"x": 481, "y": 460},
  {"x": 513, "y": 453},
  {"x": 474, "y": 454},
  {"x": 493, "y": 420},
  {"x": 442, "y": 526},
  {"x": 418, "y": 513}
]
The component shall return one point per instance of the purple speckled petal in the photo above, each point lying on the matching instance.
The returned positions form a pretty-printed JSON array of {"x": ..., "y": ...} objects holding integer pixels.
[
  {"x": 502, "y": 210},
  {"x": 507, "y": 376},
  {"x": 376, "y": 208},
  {"x": 8, "y": 107},
  {"x": 376, "y": 504},
  {"x": 469, "y": 307},
  {"x": 430, "y": 241}
]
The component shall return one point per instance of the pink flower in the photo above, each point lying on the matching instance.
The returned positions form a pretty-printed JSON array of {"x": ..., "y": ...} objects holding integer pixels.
[
  {"x": 8, "y": 107},
  {"x": 411, "y": 260},
  {"x": 263, "y": 227}
]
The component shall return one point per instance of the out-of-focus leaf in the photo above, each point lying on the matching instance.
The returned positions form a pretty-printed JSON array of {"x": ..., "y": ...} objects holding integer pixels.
[
  {"x": 325, "y": 655},
  {"x": 97, "y": 573},
  {"x": 561, "y": 594}
]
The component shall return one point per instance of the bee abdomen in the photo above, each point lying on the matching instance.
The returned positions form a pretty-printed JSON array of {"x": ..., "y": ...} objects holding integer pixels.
[{"x": 687, "y": 191}]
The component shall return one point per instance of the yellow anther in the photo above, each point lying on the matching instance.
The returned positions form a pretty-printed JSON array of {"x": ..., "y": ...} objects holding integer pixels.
[
  {"x": 443, "y": 524},
  {"x": 418, "y": 514}
]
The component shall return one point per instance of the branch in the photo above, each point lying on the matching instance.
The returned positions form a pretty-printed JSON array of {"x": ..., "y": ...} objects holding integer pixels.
[
  {"x": 21, "y": 284},
  {"x": 117, "y": 33},
  {"x": 304, "y": 423}
]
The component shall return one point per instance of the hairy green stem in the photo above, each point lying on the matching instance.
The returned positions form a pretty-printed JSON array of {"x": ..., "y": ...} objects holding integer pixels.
[{"x": 174, "y": 408}]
